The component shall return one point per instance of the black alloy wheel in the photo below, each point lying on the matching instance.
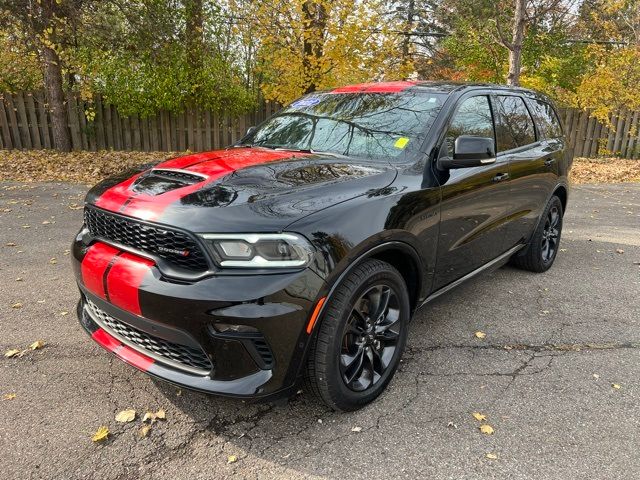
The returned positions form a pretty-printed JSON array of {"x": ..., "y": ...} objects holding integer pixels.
[
  {"x": 543, "y": 247},
  {"x": 550, "y": 234},
  {"x": 370, "y": 338},
  {"x": 360, "y": 337}
]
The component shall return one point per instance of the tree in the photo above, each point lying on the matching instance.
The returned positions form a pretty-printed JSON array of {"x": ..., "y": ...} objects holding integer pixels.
[
  {"x": 308, "y": 45},
  {"x": 46, "y": 24}
]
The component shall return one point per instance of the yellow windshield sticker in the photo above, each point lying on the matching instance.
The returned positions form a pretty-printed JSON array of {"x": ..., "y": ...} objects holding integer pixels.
[{"x": 401, "y": 142}]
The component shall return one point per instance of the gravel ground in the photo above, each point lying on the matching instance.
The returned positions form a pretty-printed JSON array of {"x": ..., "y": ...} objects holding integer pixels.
[{"x": 555, "y": 345}]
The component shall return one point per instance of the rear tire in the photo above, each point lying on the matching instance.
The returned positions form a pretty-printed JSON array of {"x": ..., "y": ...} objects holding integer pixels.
[
  {"x": 360, "y": 337},
  {"x": 543, "y": 247}
]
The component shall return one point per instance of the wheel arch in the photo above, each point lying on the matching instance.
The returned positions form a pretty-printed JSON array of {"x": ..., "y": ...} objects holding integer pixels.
[{"x": 562, "y": 193}]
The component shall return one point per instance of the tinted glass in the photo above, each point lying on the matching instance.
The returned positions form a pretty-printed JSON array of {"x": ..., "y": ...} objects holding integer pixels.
[
  {"x": 546, "y": 119},
  {"x": 473, "y": 117},
  {"x": 515, "y": 127},
  {"x": 377, "y": 126}
]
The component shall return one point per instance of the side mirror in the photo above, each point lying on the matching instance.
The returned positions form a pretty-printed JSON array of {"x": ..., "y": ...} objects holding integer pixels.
[
  {"x": 470, "y": 151},
  {"x": 250, "y": 130}
]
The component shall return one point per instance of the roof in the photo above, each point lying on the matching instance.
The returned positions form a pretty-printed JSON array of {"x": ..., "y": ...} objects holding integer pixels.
[{"x": 434, "y": 86}]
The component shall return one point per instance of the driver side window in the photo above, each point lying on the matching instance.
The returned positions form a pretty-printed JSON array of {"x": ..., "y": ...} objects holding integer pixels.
[{"x": 473, "y": 117}]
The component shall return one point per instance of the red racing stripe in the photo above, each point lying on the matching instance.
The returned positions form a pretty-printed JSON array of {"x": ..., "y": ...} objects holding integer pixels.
[
  {"x": 213, "y": 165},
  {"x": 375, "y": 87},
  {"x": 124, "y": 352},
  {"x": 124, "y": 279},
  {"x": 94, "y": 265}
]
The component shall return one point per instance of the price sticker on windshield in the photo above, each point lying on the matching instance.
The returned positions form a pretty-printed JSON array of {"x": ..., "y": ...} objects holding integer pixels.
[{"x": 401, "y": 142}]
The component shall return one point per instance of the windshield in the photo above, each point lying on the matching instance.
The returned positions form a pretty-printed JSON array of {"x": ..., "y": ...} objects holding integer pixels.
[{"x": 376, "y": 126}]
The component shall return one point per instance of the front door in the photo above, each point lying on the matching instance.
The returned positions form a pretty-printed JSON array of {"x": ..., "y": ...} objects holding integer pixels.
[{"x": 474, "y": 200}]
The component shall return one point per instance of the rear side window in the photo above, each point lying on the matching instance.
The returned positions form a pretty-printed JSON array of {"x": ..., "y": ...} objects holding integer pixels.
[
  {"x": 546, "y": 119},
  {"x": 515, "y": 125},
  {"x": 473, "y": 117}
]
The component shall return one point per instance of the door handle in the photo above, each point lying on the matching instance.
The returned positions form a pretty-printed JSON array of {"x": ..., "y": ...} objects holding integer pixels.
[
  {"x": 549, "y": 161},
  {"x": 500, "y": 177}
]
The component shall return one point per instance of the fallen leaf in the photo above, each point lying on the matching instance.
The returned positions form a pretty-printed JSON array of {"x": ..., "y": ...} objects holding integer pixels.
[
  {"x": 126, "y": 416},
  {"x": 152, "y": 417},
  {"x": 144, "y": 431},
  {"x": 616, "y": 386},
  {"x": 53, "y": 261},
  {"x": 16, "y": 305},
  {"x": 38, "y": 344},
  {"x": 479, "y": 416},
  {"x": 356, "y": 429},
  {"x": 232, "y": 459},
  {"x": 62, "y": 314},
  {"x": 11, "y": 353},
  {"x": 8, "y": 396},
  {"x": 491, "y": 456},
  {"x": 101, "y": 434},
  {"x": 596, "y": 376},
  {"x": 480, "y": 334},
  {"x": 19, "y": 279},
  {"x": 619, "y": 250},
  {"x": 486, "y": 429},
  {"x": 11, "y": 244}
]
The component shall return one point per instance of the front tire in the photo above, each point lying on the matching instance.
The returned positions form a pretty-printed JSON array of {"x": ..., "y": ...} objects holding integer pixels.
[
  {"x": 541, "y": 252},
  {"x": 361, "y": 337}
]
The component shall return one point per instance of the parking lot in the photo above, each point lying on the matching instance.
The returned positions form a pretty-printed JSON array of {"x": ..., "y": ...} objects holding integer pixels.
[{"x": 557, "y": 374}]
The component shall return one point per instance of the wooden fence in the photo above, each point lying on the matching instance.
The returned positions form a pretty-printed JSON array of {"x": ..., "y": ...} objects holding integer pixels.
[
  {"x": 592, "y": 138},
  {"x": 25, "y": 124}
]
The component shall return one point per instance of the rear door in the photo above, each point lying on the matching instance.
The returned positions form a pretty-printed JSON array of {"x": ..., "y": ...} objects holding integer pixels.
[
  {"x": 473, "y": 206},
  {"x": 531, "y": 168}
]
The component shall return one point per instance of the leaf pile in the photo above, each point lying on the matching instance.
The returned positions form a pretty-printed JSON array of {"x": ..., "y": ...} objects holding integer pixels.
[
  {"x": 91, "y": 167},
  {"x": 79, "y": 167},
  {"x": 605, "y": 170}
]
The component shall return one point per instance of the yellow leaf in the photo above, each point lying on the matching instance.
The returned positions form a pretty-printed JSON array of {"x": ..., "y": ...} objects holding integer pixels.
[
  {"x": 101, "y": 434},
  {"x": 11, "y": 353},
  {"x": 144, "y": 431},
  {"x": 486, "y": 429},
  {"x": 8, "y": 396},
  {"x": 232, "y": 459},
  {"x": 152, "y": 417},
  {"x": 480, "y": 334},
  {"x": 16, "y": 305},
  {"x": 38, "y": 344},
  {"x": 616, "y": 386},
  {"x": 126, "y": 416},
  {"x": 479, "y": 416},
  {"x": 491, "y": 456}
]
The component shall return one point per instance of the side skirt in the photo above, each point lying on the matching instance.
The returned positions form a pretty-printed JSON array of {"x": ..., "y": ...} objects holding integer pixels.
[{"x": 493, "y": 263}]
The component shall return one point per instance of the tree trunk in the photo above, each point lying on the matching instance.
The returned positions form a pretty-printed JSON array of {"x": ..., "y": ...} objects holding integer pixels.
[
  {"x": 406, "y": 41},
  {"x": 314, "y": 18},
  {"x": 55, "y": 98},
  {"x": 515, "y": 49},
  {"x": 194, "y": 42}
]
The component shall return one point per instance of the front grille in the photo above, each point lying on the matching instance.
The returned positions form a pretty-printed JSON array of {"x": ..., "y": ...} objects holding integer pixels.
[
  {"x": 176, "y": 247},
  {"x": 182, "y": 357},
  {"x": 264, "y": 351}
]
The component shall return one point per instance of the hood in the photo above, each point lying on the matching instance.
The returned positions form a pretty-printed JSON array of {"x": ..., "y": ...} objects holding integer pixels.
[{"x": 239, "y": 189}]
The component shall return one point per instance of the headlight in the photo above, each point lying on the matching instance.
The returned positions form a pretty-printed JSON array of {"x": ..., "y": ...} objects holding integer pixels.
[{"x": 260, "y": 250}]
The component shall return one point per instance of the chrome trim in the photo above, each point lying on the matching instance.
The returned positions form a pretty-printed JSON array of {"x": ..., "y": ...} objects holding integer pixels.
[
  {"x": 472, "y": 274},
  {"x": 88, "y": 307}
]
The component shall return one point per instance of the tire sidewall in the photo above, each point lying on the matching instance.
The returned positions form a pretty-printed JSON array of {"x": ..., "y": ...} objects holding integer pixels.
[{"x": 354, "y": 399}]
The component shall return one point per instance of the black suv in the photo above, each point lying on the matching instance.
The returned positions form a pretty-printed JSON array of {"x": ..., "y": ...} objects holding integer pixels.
[{"x": 302, "y": 252}]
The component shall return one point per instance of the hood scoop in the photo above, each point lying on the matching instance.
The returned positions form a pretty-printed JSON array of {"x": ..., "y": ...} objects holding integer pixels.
[{"x": 158, "y": 181}]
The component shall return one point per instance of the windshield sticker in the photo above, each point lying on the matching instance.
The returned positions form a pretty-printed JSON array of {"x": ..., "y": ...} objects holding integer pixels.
[
  {"x": 401, "y": 142},
  {"x": 306, "y": 102}
]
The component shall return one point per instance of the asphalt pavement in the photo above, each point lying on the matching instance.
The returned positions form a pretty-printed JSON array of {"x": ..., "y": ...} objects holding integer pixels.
[{"x": 557, "y": 375}]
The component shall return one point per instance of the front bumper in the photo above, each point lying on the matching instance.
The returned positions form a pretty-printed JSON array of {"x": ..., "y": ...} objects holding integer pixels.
[{"x": 166, "y": 328}]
